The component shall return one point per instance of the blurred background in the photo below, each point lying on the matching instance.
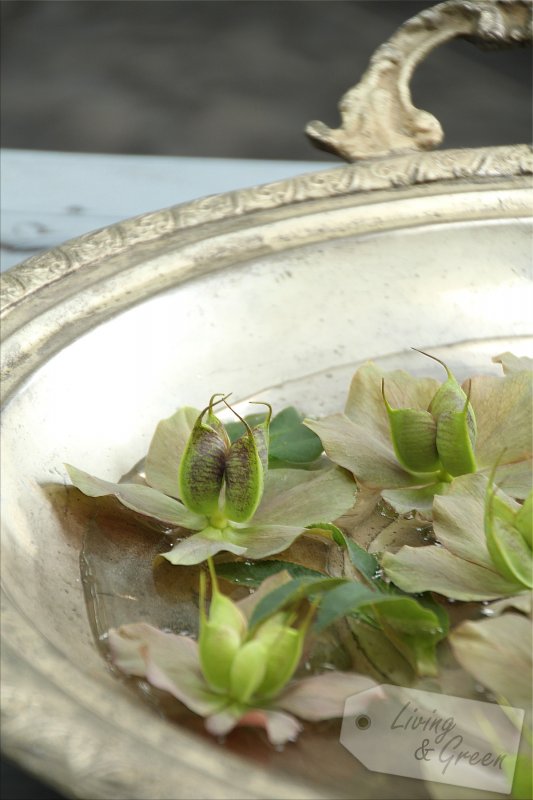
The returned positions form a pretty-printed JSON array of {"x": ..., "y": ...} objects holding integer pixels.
[
  {"x": 229, "y": 78},
  {"x": 234, "y": 79}
]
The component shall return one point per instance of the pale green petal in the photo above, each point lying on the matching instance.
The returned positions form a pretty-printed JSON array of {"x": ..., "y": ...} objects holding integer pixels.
[
  {"x": 516, "y": 478},
  {"x": 365, "y": 406},
  {"x": 166, "y": 450},
  {"x": 304, "y": 497},
  {"x": 200, "y": 546},
  {"x": 167, "y": 661},
  {"x": 503, "y": 409},
  {"x": 459, "y": 519},
  {"x": 497, "y": 652},
  {"x": 323, "y": 696},
  {"x": 142, "y": 499},
  {"x": 260, "y": 541},
  {"x": 358, "y": 448},
  {"x": 511, "y": 363},
  {"x": 461, "y": 567},
  {"x": 434, "y": 569},
  {"x": 420, "y": 499},
  {"x": 396, "y": 534},
  {"x": 520, "y": 602}
]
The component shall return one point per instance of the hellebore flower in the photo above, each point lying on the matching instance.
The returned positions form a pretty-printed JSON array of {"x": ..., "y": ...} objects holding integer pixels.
[
  {"x": 485, "y": 546},
  {"x": 227, "y": 495},
  {"x": 236, "y": 675},
  {"x": 411, "y": 437}
]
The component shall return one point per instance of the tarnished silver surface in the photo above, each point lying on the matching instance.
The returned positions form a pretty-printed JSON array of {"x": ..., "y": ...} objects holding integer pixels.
[{"x": 279, "y": 288}]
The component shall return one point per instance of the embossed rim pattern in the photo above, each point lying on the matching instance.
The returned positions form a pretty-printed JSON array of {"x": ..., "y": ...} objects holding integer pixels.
[
  {"x": 414, "y": 169},
  {"x": 34, "y": 675}
]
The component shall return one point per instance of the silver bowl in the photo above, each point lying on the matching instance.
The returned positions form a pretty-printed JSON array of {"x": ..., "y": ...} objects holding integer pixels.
[{"x": 277, "y": 291}]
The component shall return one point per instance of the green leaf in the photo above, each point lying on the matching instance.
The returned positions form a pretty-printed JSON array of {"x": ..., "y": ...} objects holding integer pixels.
[
  {"x": 253, "y": 574},
  {"x": 364, "y": 562},
  {"x": 344, "y": 599},
  {"x": 291, "y": 593},
  {"x": 413, "y": 629},
  {"x": 142, "y": 499},
  {"x": 291, "y": 443},
  {"x": 236, "y": 429}
]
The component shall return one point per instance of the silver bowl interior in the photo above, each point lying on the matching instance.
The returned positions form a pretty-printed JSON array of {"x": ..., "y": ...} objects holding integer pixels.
[{"x": 283, "y": 307}]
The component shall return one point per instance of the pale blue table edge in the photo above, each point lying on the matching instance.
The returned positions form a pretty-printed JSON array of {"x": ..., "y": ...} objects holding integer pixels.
[{"x": 48, "y": 197}]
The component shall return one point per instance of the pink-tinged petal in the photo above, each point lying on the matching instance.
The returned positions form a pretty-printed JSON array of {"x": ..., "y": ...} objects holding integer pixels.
[
  {"x": 280, "y": 727},
  {"x": 169, "y": 662},
  {"x": 199, "y": 547},
  {"x": 323, "y": 696}
]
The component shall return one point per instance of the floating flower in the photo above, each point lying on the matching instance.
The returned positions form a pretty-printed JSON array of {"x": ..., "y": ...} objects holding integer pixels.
[
  {"x": 484, "y": 552},
  {"x": 237, "y": 674},
  {"x": 411, "y": 437},
  {"x": 227, "y": 496}
]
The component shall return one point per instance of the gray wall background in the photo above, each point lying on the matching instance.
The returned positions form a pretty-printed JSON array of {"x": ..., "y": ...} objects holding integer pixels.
[{"x": 229, "y": 78}]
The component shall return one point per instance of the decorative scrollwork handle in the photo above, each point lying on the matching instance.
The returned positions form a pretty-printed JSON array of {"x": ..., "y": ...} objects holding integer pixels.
[{"x": 378, "y": 116}]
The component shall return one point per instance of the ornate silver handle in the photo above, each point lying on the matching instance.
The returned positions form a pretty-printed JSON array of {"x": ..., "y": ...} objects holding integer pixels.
[{"x": 378, "y": 116}]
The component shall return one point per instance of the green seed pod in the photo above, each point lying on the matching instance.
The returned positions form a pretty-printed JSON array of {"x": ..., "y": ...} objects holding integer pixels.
[
  {"x": 247, "y": 670},
  {"x": 244, "y": 474},
  {"x": 285, "y": 645},
  {"x": 450, "y": 397},
  {"x": 508, "y": 549},
  {"x": 413, "y": 434},
  {"x": 456, "y": 440},
  {"x": 201, "y": 471},
  {"x": 524, "y": 520},
  {"x": 221, "y": 635},
  {"x": 261, "y": 434},
  {"x": 218, "y": 646}
]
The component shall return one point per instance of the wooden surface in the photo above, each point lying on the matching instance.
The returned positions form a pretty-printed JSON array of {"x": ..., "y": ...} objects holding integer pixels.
[{"x": 48, "y": 198}]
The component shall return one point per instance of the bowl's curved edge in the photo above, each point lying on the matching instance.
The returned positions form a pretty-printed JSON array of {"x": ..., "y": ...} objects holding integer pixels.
[{"x": 397, "y": 171}]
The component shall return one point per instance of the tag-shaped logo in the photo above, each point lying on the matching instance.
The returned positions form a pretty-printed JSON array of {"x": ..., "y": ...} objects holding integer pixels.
[{"x": 433, "y": 737}]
